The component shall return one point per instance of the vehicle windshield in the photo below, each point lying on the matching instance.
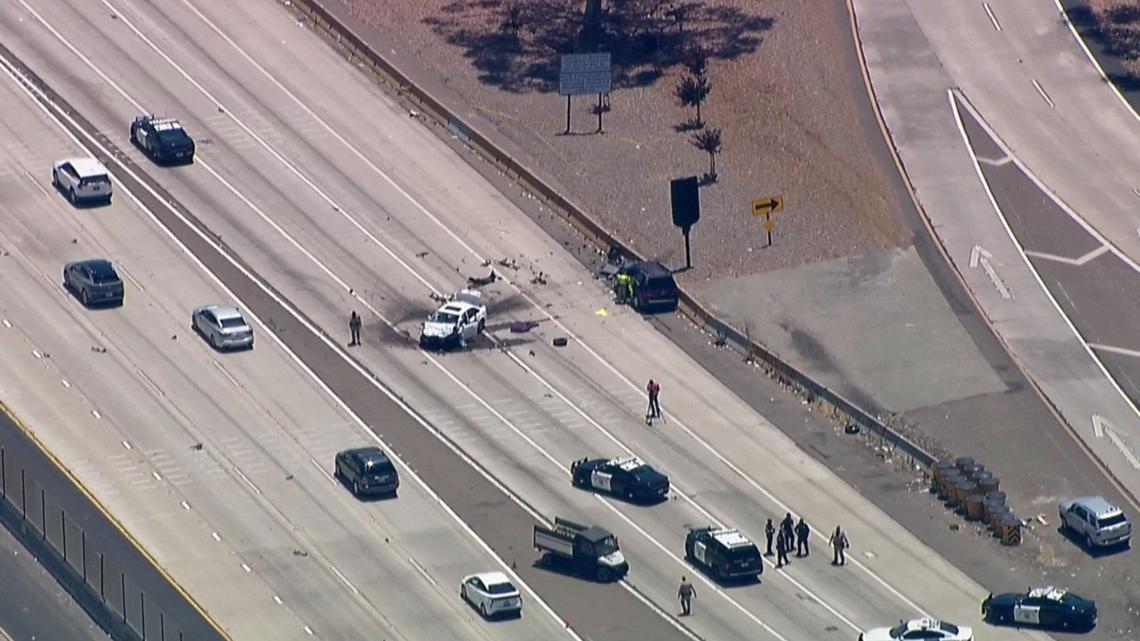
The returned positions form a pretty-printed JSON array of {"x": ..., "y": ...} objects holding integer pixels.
[
  {"x": 444, "y": 317},
  {"x": 1109, "y": 521},
  {"x": 378, "y": 467},
  {"x": 644, "y": 474},
  {"x": 606, "y": 546},
  {"x": 232, "y": 323},
  {"x": 103, "y": 274},
  {"x": 173, "y": 137},
  {"x": 500, "y": 588}
]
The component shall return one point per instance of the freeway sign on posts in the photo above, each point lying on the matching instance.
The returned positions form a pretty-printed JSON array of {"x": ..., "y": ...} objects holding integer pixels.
[
  {"x": 583, "y": 74},
  {"x": 766, "y": 207}
]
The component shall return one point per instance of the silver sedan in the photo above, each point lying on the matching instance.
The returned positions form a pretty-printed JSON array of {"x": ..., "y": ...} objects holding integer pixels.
[{"x": 222, "y": 326}]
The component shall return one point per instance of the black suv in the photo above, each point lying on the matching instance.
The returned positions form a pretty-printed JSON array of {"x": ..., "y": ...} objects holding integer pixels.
[
  {"x": 723, "y": 552},
  {"x": 367, "y": 470},
  {"x": 94, "y": 281},
  {"x": 163, "y": 139},
  {"x": 653, "y": 286}
]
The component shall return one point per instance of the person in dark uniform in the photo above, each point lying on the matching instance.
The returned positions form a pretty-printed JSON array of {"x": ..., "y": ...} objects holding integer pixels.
[
  {"x": 781, "y": 549},
  {"x": 802, "y": 534},
  {"x": 788, "y": 527},
  {"x": 686, "y": 593},
  {"x": 354, "y": 328},
  {"x": 839, "y": 543},
  {"x": 769, "y": 532}
]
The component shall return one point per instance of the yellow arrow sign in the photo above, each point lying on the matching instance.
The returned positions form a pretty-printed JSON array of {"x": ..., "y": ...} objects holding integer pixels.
[{"x": 768, "y": 205}]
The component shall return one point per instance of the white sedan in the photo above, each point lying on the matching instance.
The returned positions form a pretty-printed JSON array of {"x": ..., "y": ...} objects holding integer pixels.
[
  {"x": 492, "y": 593},
  {"x": 222, "y": 326},
  {"x": 456, "y": 323},
  {"x": 923, "y": 629}
]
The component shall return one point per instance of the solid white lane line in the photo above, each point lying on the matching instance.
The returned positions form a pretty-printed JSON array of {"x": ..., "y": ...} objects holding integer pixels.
[
  {"x": 1103, "y": 249},
  {"x": 278, "y": 600},
  {"x": 57, "y": 116},
  {"x": 321, "y": 469},
  {"x": 1096, "y": 65},
  {"x": 993, "y": 18},
  {"x": 1041, "y": 90},
  {"x": 217, "y": 537},
  {"x": 243, "y": 477}
]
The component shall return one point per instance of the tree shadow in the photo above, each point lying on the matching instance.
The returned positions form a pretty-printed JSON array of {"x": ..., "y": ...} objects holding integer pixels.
[
  {"x": 692, "y": 124},
  {"x": 1117, "y": 31},
  {"x": 515, "y": 45}
]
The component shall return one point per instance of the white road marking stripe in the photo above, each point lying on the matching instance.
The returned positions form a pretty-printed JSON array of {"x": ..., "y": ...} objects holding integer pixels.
[
  {"x": 246, "y": 567},
  {"x": 127, "y": 445},
  {"x": 308, "y": 630},
  {"x": 278, "y": 600},
  {"x": 1041, "y": 90},
  {"x": 1124, "y": 449},
  {"x": 216, "y": 536},
  {"x": 422, "y": 571},
  {"x": 1099, "y": 251},
  {"x": 1115, "y": 350},
  {"x": 996, "y": 163},
  {"x": 321, "y": 468},
  {"x": 993, "y": 18},
  {"x": 185, "y": 506},
  {"x": 247, "y": 481},
  {"x": 344, "y": 579}
]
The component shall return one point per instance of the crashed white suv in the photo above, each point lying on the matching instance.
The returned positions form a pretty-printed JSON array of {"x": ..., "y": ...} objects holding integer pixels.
[{"x": 458, "y": 322}]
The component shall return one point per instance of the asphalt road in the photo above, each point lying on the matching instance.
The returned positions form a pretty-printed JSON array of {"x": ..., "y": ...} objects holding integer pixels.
[{"x": 30, "y": 592}]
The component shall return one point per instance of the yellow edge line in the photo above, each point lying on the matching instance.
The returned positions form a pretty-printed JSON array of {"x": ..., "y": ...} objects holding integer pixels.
[{"x": 114, "y": 521}]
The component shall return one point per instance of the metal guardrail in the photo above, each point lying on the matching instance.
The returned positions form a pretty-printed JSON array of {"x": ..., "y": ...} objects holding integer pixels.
[{"x": 593, "y": 230}]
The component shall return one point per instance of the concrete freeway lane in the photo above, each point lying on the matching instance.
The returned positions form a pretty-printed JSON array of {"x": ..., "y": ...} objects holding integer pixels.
[
  {"x": 250, "y": 519},
  {"x": 296, "y": 199}
]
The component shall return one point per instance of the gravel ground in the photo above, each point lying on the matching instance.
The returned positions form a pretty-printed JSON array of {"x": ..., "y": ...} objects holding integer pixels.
[
  {"x": 785, "y": 93},
  {"x": 1117, "y": 24}
]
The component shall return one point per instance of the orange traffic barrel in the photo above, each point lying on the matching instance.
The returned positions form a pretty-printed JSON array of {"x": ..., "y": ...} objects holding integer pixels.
[{"x": 962, "y": 490}]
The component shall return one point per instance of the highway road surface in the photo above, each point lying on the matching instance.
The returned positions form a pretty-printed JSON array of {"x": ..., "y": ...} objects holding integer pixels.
[
  {"x": 219, "y": 463},
  {"x": 332, "y": 195}
]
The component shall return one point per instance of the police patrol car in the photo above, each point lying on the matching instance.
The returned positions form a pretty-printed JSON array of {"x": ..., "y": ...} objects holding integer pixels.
[
  {"x": 627, "y": 477},
  {"x": 163, "y": 139},
  {"x": 926, "y": 629},
  {"x": 1047, "y": 607},
  {"x": 723, "y": 552}
]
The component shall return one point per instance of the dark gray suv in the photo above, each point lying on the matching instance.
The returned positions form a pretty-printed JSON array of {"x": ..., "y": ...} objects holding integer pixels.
[
  {"x": 94, "y": 281},
  {"x": 368, "y": 471},
  {"x": 654, "y": 289}
]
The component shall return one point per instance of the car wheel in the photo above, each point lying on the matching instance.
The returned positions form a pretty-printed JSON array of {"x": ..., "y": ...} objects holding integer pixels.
[
  {"x": 71, "y": 195},
  {"x": 1089, "y": 541},
  {"x": 83, "y": 297},
  {"x": 482, "y": 325},
  {"x": 336, "y": 473},
  {"x": 637, "y": 304},
  {"x": 356, "y": 488},
  {"x": 603, "y": 575},
  {"x": 1061, "y": 516},
  {"x": 54, "y": 179},
  {"x": 483, "y": 610}
]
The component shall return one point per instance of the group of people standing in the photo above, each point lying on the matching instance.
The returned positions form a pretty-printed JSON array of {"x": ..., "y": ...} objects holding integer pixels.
[{"x": 792, "y": 533}]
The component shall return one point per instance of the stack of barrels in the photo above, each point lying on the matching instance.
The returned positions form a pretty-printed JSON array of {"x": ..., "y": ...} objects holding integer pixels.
[{"x": 973, "y": 491}]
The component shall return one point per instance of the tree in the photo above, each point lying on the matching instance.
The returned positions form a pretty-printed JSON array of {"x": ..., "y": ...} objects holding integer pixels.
[
  {"x": 512, "y": 19},
  {"x": 697, "y": 62},
  {"x": 691, "y": 91},
  {"x": 708, "y": 141}
]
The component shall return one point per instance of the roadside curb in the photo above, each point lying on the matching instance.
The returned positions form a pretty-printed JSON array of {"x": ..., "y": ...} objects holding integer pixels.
[{"x": 829, "y": 401}]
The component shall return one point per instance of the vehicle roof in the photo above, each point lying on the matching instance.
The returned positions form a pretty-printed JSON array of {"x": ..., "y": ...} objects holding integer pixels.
[
  {"x": 86, "y": 167},
  {"x": 627, "y": 463},
  {"x": 92, "y": 262},
  {"x": 223, "y": 311},
  {"x": 1098, "y": 505},
  {"x": 491, "y": 578},
  {"x": 368, "y": 454},
  {"x": 163, "y": 124},
  {"x": 1048, "y": 592},
  {"x": 927, "y": 624},
  {"x": 457, "y": 307},
  {"x": 595, "y": 533},
  {"x": 648, "y": 267},
  {"x": 730, "y": 538}
]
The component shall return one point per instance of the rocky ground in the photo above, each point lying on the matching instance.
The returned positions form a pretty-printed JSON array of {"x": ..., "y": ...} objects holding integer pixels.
[
  {"x": 1116, "y": 23},
  {"x": 786, "y": 94}
]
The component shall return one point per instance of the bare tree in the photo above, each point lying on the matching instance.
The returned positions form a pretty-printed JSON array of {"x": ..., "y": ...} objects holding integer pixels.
[
  {"x": 708, "y": 141},
  {"x": 691, "y": 91}
]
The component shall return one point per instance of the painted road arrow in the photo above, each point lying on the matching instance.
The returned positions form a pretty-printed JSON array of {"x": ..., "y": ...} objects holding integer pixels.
[
  {"x": 1102, "y": 428},
  {"x": 979, "y": 256}
]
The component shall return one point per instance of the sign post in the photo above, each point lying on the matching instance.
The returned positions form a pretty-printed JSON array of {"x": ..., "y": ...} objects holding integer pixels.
[
  {"x": 583, "y": 74},
  {"x": 766, "y": 207},
  {"x": 686, "y": 200}
]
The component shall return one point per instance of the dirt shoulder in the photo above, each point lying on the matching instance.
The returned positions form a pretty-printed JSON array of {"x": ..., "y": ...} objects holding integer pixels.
[{"x": 786, "y": 94}]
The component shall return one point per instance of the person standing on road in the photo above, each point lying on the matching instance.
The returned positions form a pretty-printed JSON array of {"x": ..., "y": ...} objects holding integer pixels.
[
  {"x": 802, "y": 534},
  {"x": 686, "y": 593},
  {"x": 769, "y": 531},
  {"x": 624, "y": 288},
  {"x": 787, "y": 526},
  {"x": 653, "y": 389},
  {"x": 781, "y": 549},
  {"x": 354, "y": 328},
  {"x": 839, "y": 543}
]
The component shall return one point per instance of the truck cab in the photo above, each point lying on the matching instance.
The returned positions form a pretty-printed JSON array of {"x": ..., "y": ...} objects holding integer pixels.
[{"x": 590, "y": 551}]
